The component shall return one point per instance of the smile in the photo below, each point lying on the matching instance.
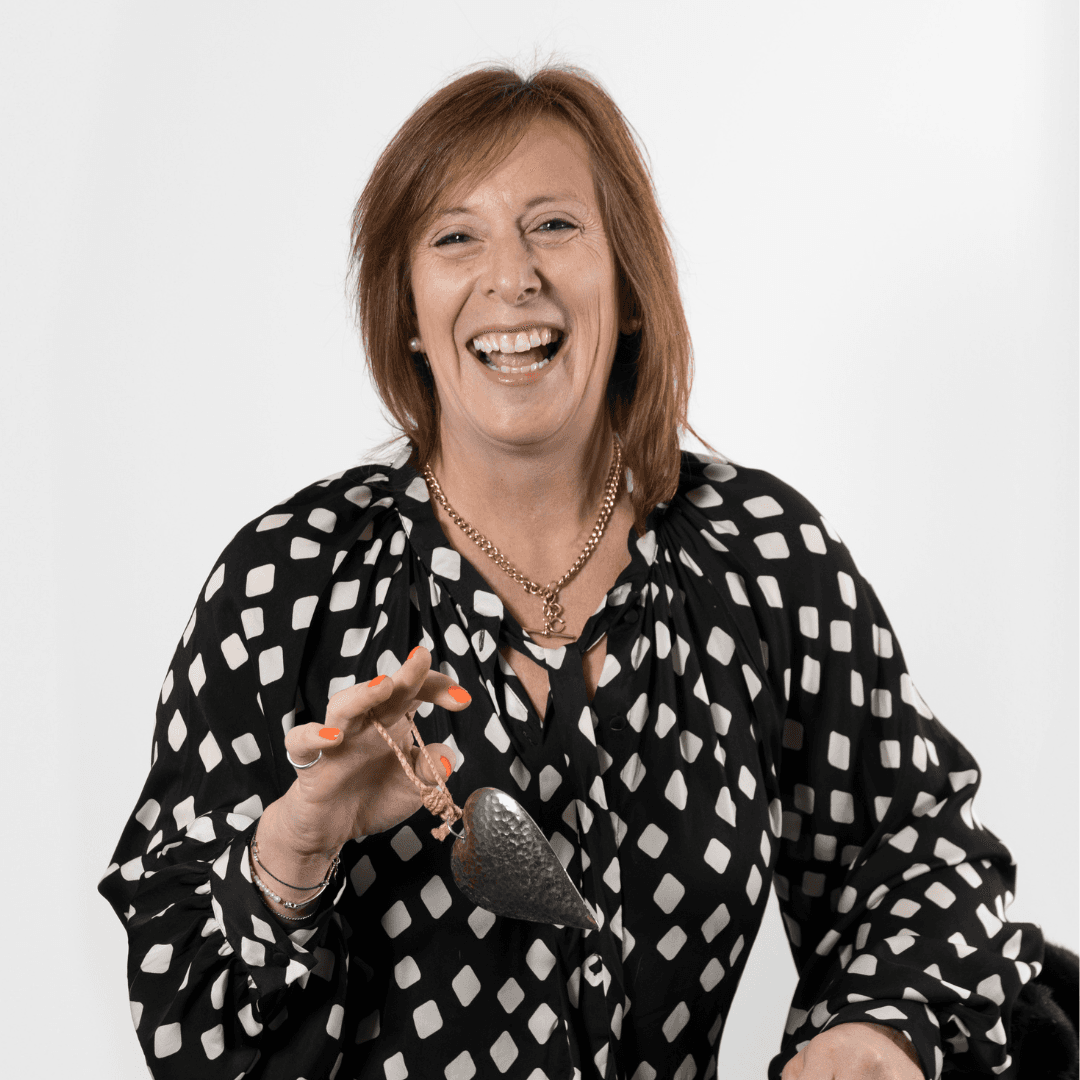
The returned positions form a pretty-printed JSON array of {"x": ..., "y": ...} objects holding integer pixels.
[{"x": 518, "y": 351}]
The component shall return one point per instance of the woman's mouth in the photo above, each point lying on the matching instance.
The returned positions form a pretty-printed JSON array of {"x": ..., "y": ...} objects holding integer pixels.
[{"x": 520, "y": 351}]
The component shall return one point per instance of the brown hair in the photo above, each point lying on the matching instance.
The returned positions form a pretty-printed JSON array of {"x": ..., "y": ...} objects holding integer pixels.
[{"x": 462, "y": 132}]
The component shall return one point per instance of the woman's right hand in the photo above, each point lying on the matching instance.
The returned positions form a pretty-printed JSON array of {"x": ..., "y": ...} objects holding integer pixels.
[{"x": 358, "y": 786}]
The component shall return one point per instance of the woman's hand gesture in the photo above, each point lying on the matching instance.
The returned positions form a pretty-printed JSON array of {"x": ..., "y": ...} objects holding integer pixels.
[
  {"x": 358, "y": 785},
  {"x": 855, "y": 1052}
]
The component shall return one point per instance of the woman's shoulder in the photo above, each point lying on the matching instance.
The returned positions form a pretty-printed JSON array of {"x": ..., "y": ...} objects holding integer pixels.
[
  {"x": 751, "y": 525},
  {"x": 750, "y": 501},
  {"x": 306, "y": 536}
]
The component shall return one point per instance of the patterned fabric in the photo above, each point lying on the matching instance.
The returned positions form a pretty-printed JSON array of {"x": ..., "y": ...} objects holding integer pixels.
[{"x": 754, "y": 724}]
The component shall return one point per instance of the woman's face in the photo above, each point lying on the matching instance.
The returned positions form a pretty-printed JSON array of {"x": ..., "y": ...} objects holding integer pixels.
[{"x": 515, "y": 293}]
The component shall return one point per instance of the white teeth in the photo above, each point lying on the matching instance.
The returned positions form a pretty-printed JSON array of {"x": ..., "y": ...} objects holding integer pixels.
[
  {"x": 519, "y": 370},
  {"x": 520, "y": 341}
]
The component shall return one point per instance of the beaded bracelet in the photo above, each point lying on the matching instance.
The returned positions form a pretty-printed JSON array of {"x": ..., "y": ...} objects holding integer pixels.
[
  {"x": 290, "y": 904},
  {"x": 287, "y": 918},
  {"x": 330, "y": 871}
]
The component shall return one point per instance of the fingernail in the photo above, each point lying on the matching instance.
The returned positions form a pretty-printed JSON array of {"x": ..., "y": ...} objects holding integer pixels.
[
  {"x": 459, "y": 695},
  {"x": 414, "y": 652},
  {"x": 330, "y": 733},
  {"x": 447, "y": 766},
  {"x": 378, "y": 679}
]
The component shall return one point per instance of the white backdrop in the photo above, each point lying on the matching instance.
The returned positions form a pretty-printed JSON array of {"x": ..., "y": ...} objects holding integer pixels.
[{"x": 874, "y": 208}]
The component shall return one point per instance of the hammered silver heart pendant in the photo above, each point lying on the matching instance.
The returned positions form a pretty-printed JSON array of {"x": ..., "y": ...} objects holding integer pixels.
[
  {"x": 504, "y": 863},
  {"x": 501, "y": 860}
]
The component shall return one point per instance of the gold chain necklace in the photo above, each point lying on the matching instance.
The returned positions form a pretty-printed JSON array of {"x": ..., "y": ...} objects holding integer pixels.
[{"x": 554, "y": 623}]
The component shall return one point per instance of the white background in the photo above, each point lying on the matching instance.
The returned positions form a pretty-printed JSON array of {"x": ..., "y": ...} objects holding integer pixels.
[{"x": 874, "y": 209}]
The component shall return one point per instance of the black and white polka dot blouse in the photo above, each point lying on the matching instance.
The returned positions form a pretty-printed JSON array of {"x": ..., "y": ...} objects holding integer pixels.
[{"x": 754, "y": 725}]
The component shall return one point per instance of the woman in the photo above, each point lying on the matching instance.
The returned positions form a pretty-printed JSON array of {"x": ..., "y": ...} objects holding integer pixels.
[{"x": 706, "y": 699}]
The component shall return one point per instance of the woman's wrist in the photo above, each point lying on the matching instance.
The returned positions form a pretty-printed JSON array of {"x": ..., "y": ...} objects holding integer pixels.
[
  {"x": 310, "y": 890},
  {"x": 308, "y": 893},
  {"x": 289, "y": 879},
  {"x": 293, "y": 852},
  {"x": 290, "y": 910}
]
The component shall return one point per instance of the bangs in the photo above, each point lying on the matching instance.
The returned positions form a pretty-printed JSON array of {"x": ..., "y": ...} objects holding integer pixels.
[{"x": 468, "y": 145}]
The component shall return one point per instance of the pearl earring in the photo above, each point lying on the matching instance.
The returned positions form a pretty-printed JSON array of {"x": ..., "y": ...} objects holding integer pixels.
[{"x": 414, "y": 344}]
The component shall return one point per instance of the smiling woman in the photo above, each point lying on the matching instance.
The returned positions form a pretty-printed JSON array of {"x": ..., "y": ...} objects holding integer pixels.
[
  {"x": 516, "y": 261},
  {"x": 670, "y": 661},
  {"x": 599, "y": 182}
]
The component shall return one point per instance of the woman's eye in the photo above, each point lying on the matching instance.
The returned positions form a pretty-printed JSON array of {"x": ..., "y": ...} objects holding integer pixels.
[
  {"x": 557, "y": 224},
  {"x": 452, "y": 238}
]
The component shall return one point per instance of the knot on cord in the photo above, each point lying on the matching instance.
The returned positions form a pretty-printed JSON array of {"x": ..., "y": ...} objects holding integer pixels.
[
  {"x": 439, "y": 802},
  {"x": 435, "y": 798}
]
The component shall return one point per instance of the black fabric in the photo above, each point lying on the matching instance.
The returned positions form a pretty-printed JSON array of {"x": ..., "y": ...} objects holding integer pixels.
[
  {"x": 1044, "y": 1020},
  {"x": 754, "y": 725}
]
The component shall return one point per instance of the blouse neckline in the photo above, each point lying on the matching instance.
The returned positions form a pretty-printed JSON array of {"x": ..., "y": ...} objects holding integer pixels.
[{"x": 472, "y": 594}]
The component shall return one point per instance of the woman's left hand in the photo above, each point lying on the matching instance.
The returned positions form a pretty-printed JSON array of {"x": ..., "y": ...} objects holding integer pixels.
[{"x": 855, "y": 1052}]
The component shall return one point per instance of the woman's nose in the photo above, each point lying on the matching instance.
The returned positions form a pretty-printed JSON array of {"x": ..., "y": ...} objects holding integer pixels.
[{"x": 510, "y": 271}]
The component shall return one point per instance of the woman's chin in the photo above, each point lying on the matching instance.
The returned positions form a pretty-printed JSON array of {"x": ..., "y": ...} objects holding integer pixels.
[
  {"x": 525, "y": 427},
  {"x": 537, "y": 408},
  {"x": 527, "y": 433}
]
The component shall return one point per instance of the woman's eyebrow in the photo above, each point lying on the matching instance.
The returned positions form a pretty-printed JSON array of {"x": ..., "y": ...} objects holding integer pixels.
[
  {"x": 537, "y": 200},
  {"x": 561, "y": 196}
]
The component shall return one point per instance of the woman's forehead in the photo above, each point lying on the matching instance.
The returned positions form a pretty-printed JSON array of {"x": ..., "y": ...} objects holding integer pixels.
[{"x": 554, "y": 141}]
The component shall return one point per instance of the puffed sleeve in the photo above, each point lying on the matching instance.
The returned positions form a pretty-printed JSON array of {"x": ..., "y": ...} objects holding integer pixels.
[
  {"x": 218, "y": 986},
  {"x": 893, "y": 893}
]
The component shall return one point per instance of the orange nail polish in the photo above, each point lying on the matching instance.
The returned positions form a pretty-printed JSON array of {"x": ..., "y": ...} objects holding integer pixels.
[
  {"x": 378, "y": 679},
  {"x": 447, "y": 766},
  {"x": 414, "y": 652},
  {"x": 330, "y": 733},
  {"x": 459, "y": 695}
]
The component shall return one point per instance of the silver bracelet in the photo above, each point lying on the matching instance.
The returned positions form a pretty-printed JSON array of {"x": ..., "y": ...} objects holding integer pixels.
[
  {"x": 267, "y": 891},
  {"x": 287, "y": 918},
  {"x": 330, "y": 870}
]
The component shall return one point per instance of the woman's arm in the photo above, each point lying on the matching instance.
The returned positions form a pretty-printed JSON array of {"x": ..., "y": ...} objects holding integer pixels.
[
  {"x": 221, "y": 980},
  {"x": 210, "y": 968},
  {"x": 892, "y": 889},
  {"x": 893, "y": 894}
]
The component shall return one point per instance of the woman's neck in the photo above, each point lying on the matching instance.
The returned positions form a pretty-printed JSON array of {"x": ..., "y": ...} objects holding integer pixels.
[{"x": 538, "y": 503}]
